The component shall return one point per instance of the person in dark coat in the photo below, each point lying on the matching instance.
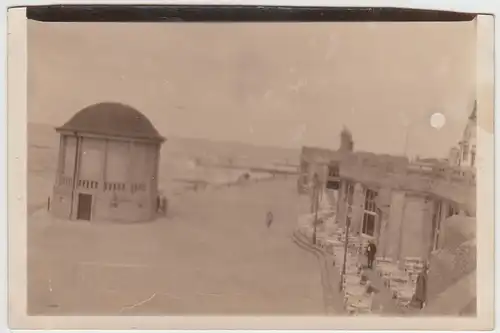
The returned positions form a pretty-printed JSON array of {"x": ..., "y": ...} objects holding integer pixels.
[
  {"x": 269, "y": 218},
  {"x": 371, "y": 250},
  {"x": 420, "y": 296}
]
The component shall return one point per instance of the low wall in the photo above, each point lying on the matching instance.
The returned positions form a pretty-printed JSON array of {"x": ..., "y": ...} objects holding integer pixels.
[{"x": 60, "y": 203}]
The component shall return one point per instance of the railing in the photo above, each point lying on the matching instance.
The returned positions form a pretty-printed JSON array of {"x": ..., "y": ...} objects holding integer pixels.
[
  {"x": 88, "y": 184},
  {"x": 108, "y": 186},
  {"x": 454, "y": 183},
  {"x": 457, "y": 174},
  {"x": 65, "y": 181},
  {"x": 451, "y": 183},
  {"x": 114, "y": 186}
]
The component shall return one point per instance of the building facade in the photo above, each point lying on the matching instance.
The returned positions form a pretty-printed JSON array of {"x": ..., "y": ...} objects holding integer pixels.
[
  {"x": 108, "y": 166},
  {"x": 325, "y": 164},
  {"x": 397, "y": 204}
]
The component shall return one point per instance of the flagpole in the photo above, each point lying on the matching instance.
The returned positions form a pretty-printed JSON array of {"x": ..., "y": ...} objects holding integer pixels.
[
  {"x": 316, "y": 204},
  {"x": 346, "y": 243}
]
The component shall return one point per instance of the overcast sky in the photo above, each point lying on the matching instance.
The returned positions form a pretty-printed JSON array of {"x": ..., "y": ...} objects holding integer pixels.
[{"x": 280, "y": 84}]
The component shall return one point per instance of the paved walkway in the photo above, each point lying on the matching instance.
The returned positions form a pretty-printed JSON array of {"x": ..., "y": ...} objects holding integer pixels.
[
  {"x": 333, "y": 297},
  {"x": 214, "y": 255},
  {"x": 383, "y": 302}
]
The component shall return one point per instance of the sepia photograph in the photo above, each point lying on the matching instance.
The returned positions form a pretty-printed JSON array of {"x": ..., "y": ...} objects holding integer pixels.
[{"x": 253, "y": 169}]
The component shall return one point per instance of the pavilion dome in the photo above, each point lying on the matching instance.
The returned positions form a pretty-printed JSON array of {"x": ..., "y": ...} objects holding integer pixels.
[{"x": 112, "y": 119}]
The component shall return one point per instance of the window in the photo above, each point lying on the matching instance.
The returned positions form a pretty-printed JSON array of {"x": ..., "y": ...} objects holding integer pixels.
[
  {"x": 333, "y": 185},
  {"x": 370, "y": 214},
  {"x": 436, "y": 223},
  {"x": 333, "y": 171},
  {"x": 370, "y": 201},
  {"x": 369, "y": 224},
  {"x": 465, "y": 155},
  {"x": 472, "y": 158},
  {"x": 349, "y": 193}
]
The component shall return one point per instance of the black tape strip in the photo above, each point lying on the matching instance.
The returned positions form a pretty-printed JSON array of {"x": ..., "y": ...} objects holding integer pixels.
[{"x": 223, "y": 13}]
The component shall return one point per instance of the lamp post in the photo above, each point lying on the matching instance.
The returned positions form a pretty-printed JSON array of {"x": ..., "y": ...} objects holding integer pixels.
[
  {"x": 346, "y": 243},
  {"x": 316, "y": 204}
]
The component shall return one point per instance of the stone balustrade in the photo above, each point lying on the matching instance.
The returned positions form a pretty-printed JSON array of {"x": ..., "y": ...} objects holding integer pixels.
[{"x": 449, "y": 183}]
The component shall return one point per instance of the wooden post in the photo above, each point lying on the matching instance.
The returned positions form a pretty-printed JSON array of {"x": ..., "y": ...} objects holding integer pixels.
[
  {"x": 61, "y": 159},
  {"x": 346, "y": 245},
  {"x": 76, "y": 173},
  {"x": 401, "y": 226},
  {"x": 316, "y": 204},
  {"x": 104, "y": 165}
]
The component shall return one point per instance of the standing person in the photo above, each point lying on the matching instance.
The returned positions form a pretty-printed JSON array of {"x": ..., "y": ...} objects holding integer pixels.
[
  {"x": 420, "y": 296},
  {"x": 371, "y": 250},
  {"x": 269, "y": 218}
]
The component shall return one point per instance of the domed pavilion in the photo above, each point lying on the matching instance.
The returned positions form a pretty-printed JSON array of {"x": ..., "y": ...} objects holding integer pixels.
[{"x": 108, "y": 166}]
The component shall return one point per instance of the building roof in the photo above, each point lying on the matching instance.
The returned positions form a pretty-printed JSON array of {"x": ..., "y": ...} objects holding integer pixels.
[
  {"x": 319, "y": 155},
  {"x": 112, "y": 119},
  {"x": 430, "y": 160}
]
